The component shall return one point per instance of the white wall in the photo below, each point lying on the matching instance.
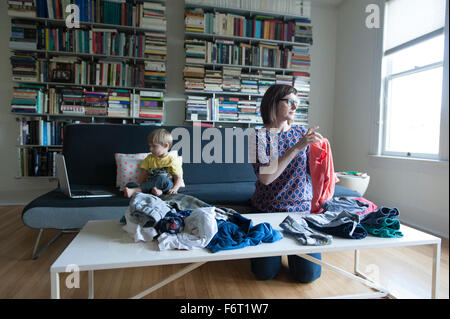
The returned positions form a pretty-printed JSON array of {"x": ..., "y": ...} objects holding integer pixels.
[
  {"x": 419, "y": 189},
  {"x": 324, "y": 17}
]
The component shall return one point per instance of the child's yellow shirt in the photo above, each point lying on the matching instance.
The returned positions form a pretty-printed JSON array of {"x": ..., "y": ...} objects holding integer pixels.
[{"x": 172, "y": 165}]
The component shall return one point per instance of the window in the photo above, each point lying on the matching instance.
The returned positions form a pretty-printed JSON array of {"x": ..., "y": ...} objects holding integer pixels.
[{"x": 413, "y": 73}]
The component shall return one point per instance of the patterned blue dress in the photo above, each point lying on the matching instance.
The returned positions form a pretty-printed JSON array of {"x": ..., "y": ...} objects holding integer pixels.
[{"x": 292, "y": 190}]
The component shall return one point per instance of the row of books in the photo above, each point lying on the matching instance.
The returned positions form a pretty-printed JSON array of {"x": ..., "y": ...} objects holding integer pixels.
[
  {"x": 38, "y": 161},
  {"x": 292, "y": 7},
  {"x": 26, "y": 35},
  {"x": 149, "y": 15},
  {"x": 260, "y": 27},
  {"x": 234, "y": 80},
  {"x": 105, "y": 72},
  {"x": 77, "y": 101},
  {"x": 40, "y": 132},
  {"x": 203, "y": 108},
  {"x": 243, "y": 54}
]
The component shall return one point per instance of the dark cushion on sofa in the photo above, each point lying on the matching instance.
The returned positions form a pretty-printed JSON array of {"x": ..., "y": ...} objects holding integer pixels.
[{"x": 222, "y": 193}]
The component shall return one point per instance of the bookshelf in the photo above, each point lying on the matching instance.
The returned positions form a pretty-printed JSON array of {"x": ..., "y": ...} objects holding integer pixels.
[
  {"x": 112, "y": 69},
  {"x": 235, "y": 50}
]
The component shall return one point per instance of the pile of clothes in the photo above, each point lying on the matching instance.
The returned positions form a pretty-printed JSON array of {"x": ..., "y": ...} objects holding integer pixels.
[
  {"x": 346, "y": 217},
  {"x": 181, "y": 221}
]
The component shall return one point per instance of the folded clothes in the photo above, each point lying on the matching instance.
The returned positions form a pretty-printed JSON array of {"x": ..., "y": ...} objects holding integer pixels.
[
  {"x": 300, "y": 231},
  {"x": 383, "y": 223},
  {"x": 359, "y": 206},
  {"x": 341, "y": 224}
]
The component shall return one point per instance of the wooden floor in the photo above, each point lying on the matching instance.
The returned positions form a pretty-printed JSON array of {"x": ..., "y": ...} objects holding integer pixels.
[{"x": 405, "y": 271}]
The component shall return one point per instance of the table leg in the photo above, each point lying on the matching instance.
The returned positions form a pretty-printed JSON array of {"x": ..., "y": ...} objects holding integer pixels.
[
  {"x": 436, "y": 269},
  {"x": 91, "y": 284},
  {"x": 356, "y": 262},
  {"x": 54, "y": 282}
]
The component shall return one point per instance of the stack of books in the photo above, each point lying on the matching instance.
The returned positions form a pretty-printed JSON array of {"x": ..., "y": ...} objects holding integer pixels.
[
  {"x": 284, "y": 79},
  {"x": 301, "y": 116},
  {"x": 231, "y": 79},
  {"x": 195, "y": 51},
  {"x": 23, "y": 35},
  {"x": 154, "y": 72},
  {"x": 303, "y": 31},
  {"x": 213, "y": 81},
  {"x": 266, "y": 79},
  {"x": 27, "y": 99},
  {"x": 302, "y": 85},
  {"x": 228, "y": 109},
  {"x": 153, "y": 16},
  {"x": 194, "y": 78},
  {"x": 22, "y": 8},
  {"x": 23, "y": 67},
  {"x": 119, "y": 103},
  {"x": 249, "y": 83},
  {"x": 155, "y": 46},
  {"x": 197, "y": 108},
  {"x": 194, "y": 21},
  {"x": 151, "y": 105},
  {"x": 72, "y": 101},
  {"x": 249, "y": 110},
  {"x": 96, "y": 103},
  {"x": 300, "y": 58}
]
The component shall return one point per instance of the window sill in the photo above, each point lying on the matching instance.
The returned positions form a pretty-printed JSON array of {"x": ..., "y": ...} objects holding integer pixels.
[{"x": 409, "y": 161}]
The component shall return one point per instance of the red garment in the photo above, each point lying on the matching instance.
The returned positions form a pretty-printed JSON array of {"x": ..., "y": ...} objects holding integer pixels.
[
  {"x": 322, "y": 174},
  {"x": 372, "y": 207}
]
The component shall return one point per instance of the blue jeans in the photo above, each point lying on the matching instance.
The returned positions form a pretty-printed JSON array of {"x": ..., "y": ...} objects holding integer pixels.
[
  {"x": 161, "y": 182},
  {"x": 302, "y": 270}
]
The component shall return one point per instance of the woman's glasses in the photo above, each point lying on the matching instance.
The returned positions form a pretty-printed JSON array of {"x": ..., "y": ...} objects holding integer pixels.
[{"x": 291, "y": 102}]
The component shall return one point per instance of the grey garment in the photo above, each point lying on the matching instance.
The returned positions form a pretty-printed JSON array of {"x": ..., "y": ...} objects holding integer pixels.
[
  {"x": 351, "y": 205},
  {"x": 153, "y": 172},
  {"x": 183, "y": 202},
  {"x": 147, "y": 209},
  {"x": 334, "y": 219},
  {"x": 305, "y": 235}
]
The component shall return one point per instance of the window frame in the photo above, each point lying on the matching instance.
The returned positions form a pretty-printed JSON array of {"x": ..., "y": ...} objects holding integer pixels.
[{"x": 387, "y": 77}]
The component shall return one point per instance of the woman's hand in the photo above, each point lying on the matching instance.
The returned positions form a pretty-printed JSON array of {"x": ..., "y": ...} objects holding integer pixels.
[{"x": 310, "y": 137}]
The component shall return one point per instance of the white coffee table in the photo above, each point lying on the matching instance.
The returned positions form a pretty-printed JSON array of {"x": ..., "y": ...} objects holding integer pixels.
[{"x": 104, "y": 245}]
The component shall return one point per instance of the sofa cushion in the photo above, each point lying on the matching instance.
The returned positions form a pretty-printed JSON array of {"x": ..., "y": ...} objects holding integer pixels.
[{"x": 222, "y": 193}]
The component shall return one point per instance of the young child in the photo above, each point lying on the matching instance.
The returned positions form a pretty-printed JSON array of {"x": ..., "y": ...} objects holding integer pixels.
[{"x": 160, "y": 172}]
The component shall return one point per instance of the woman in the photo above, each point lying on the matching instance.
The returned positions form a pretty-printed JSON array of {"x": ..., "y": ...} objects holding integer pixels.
[{"x": 281, "y": 167}]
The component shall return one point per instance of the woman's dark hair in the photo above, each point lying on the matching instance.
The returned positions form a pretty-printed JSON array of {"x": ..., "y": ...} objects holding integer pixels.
[{"x": 270, "y": 101}]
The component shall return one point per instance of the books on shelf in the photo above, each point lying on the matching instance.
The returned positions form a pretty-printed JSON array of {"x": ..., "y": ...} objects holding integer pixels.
[
  {"x": 40, "y": 132},
  {"x": 22, "y": 8},
  {"x": 23, "y": 67},
  {"x": 290, "y": 7},
  {"x": 27, "y": 99},
  {"x": 119, "y": 102},
  {"x": 151, "y": 105},
  {"x": 38, "y": 161},
  {"x": 259, "y": 27},
  {"x": 229, "y": 52},
  {"x": 23, "y": 35},
  {"x": 153, "y": 16}
]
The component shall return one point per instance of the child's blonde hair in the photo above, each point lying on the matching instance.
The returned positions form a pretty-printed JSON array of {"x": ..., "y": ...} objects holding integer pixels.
[{"x": 160, "y": 136}]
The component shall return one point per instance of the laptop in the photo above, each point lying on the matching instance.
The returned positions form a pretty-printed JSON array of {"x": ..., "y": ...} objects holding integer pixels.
[{"x": 65, "y": 185}]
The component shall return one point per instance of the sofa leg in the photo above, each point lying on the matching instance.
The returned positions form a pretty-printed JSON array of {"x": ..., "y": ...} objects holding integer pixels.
[
  {"x": 36, "y": 244},
  {"x": 51, "y": 241}
]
